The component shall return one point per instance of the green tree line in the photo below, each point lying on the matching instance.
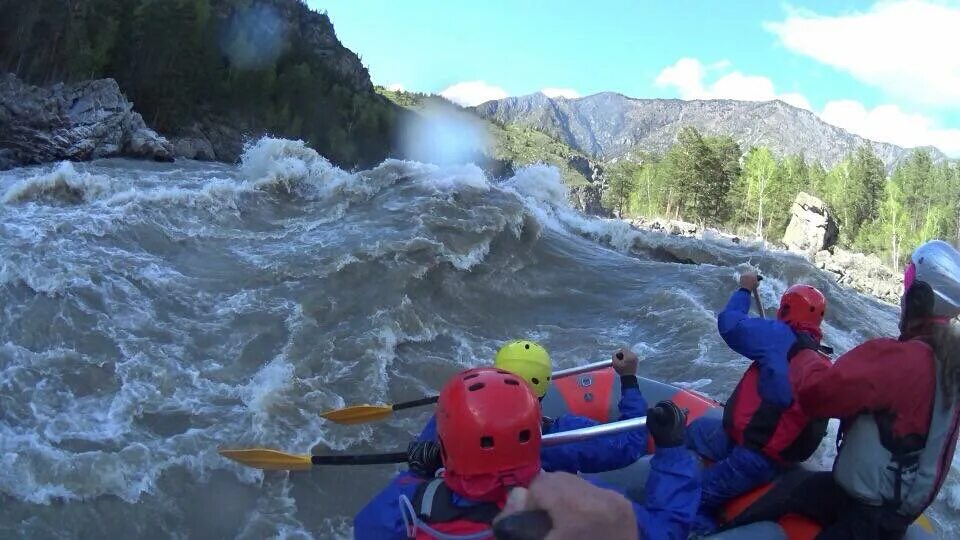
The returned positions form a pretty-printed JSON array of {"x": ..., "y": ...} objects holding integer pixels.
[
  {"x": 711, "y": 181},
  {"x": 173, "y": 59}
]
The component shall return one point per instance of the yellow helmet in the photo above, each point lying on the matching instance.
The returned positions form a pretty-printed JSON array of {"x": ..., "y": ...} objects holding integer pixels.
[{"x": 527, "y": 359}]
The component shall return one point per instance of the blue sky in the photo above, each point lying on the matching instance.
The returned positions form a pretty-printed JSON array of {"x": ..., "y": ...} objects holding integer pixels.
[{"x": 887, "y": 70}]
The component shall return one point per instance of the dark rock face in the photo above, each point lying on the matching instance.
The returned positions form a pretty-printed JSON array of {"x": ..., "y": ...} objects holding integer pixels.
[
  {"x": 87, "y": 120},
  {"x": 210, "y": 141},
  {"x": 590, "y": 170},
  {"x": 302, "y": 24},
  {"x": 610, "y": 125},
  {"x": 586, "y": 198}
]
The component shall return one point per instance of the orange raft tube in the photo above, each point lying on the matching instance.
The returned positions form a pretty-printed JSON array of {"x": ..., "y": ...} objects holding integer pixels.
[{"x": 596, "y": 395}]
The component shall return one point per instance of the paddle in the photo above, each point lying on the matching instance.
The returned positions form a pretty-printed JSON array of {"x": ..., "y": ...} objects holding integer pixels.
[
  {"x": 756, "y": 298},
  {"x": 275, "y": 460},
  {"x": 361, "y": 414}
]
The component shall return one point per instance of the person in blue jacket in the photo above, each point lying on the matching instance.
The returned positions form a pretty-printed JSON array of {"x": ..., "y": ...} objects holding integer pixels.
[
  {"x": 488, "y": 425},
  {"x": 763, "y": 428},
  {"x": 530, "y": 361}
]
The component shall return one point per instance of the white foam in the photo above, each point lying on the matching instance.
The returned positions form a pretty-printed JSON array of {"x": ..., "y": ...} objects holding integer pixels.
[
  {"x": 63, "y": 183},
  {"x": 541, "y": 183},
  {"x": 216, "y": 193},
  {"x": 694, "y": 385},
  {"x": 286, "y": 165},
  {"x": 266, "y": 388},
  {"x": 454, "y": 177}
]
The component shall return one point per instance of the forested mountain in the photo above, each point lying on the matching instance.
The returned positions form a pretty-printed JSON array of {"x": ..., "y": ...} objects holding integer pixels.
[
  {"x": 219, "y": 67},
  {"x": 610, "y": 125}
]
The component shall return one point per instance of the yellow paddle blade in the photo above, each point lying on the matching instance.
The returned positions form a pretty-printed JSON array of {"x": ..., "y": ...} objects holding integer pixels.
[
  {"x": 268, "y": 460},
  {"x": 358, "y": 414},
  {"x": 924, "y": 523}
]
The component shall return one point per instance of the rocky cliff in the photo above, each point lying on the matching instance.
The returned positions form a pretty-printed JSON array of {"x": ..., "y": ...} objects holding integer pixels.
[
  {"x": 82, "y": 121},
  {"x": 610, "y": 125},
  {"x": 208, "y": 74}
]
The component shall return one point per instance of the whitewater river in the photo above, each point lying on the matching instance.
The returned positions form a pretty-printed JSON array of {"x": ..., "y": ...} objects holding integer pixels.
[{"x": 152, "y": 313}]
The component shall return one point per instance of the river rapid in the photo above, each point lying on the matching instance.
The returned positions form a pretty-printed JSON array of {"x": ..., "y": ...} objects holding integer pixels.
[{"x": 152, "y": 313}]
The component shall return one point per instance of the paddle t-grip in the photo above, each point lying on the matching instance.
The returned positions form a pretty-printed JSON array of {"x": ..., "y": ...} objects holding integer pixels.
[{"x": 526, "y": 525}]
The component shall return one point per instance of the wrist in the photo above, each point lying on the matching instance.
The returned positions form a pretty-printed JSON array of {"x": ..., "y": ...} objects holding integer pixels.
[{"x": 667, "y": 450}]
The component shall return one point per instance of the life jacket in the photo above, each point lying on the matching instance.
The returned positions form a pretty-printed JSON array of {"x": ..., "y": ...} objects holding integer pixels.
[
  {"x": 784, "y": 434},
  {"x": 900, "y": 473},
  {"x": 433, "y": 515}
]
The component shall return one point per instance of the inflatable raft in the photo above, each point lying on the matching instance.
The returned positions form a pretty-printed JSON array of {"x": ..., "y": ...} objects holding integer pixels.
[{"x": 595, "y": 394}]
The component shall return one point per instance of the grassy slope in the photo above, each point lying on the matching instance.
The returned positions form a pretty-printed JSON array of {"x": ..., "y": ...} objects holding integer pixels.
[{"x": 516, "y": 144}]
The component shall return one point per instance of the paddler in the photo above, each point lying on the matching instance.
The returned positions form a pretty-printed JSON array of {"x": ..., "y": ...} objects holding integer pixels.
[
  {"x": 530, "y": 361},
  {"x": 763, "y": 429},
  {"x": 488, "y": 426},
  {"x": 899, "y": 405}
]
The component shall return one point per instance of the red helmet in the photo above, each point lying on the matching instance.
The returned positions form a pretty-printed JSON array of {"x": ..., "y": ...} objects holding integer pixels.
[
  {"x": 488, "y": 423},
  {"x": 803, "y": 308}
]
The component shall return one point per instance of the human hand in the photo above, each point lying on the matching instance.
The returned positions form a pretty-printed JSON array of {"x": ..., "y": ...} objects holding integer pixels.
[
  {"x": 561, "y": 506},
  {"x": 625, "y": 362},
  {"x": 423, "y": 458},
  {"x": 666, "y": 423},
  {"x": 750, "y": 280}
]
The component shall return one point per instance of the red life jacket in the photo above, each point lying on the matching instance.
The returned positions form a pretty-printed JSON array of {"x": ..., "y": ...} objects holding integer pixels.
[
  {"x": 433, "y": 505},
  {"x": 782, "y": 434}
]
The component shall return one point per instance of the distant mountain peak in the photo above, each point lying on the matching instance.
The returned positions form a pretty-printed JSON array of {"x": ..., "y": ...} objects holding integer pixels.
[{"x": 608, "y": 125}]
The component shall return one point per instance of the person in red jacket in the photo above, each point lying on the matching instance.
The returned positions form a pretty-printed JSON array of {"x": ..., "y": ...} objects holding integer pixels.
[
  {"x": 763, "y": 427},
  {"x": 899, "y": 405}
]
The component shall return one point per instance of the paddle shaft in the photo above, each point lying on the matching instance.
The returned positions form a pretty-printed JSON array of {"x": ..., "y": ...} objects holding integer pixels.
[
  {"x": 581, "y": 369},
  {"x": 756, "y": 298},
  {"x": 582, "y": 434},
  {"x": 415, "y": 403},
  {"x": 556, "y": 375},
  {"x": 551, "y": 439},
  {"x": 360, "y": 459}
]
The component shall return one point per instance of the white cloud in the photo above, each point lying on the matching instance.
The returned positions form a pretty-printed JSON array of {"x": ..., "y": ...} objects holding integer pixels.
[
  {"x": 907, "y": 48},
  {"x": 687, "y": 76},
  {"x": 568, "y": 93},
  {"x": 889, "y": 123},
  {"x": 471, "y": 93},
  {"x": 396, "y": 87}
]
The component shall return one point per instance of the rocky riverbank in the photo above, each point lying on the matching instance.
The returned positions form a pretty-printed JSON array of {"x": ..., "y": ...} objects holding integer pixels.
[
  {"x": 812, "y": 233},
  {"x": 82, "y": 121}
]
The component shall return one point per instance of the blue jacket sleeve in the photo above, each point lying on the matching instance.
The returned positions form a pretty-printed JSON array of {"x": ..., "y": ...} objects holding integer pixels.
[
  {"x": 429, "y": 432},
  {"x": 765, "y": 341},
  {"x": 381, "y": 518},
  {"x": 672, "y": 495},
  {"x": 602, "y": 453}
]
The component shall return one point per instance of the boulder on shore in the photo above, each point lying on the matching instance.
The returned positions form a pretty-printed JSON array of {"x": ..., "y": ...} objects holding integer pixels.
[
  {"x": 82, "y": 121},
  {"x": 811, "y": 229},
  {"x": 673, "y": 227}
]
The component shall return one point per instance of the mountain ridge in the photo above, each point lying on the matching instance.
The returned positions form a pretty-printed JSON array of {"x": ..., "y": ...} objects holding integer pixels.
[{"x": 610, "y": 125}]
